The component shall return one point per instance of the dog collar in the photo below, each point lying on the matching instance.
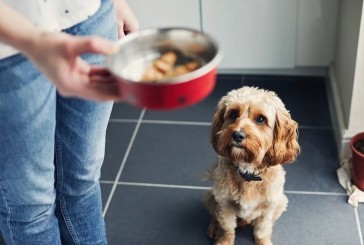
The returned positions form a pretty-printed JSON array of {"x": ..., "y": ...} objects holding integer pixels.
[{"x": 248, "y": 176}]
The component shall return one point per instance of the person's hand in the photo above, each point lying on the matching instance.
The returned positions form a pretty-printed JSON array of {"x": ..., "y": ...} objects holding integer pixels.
[
  {"x": 57, "y": 55},
  {"x": 127, "y": 22}
]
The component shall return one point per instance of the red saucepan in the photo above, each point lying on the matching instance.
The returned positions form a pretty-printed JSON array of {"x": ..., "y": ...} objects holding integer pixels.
[{"x": 138, "y": 51}]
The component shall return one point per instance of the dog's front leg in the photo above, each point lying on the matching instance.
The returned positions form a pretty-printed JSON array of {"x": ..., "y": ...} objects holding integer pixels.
[
  {"x": 226, "y": 218},
  {"x": 263, "y": 227}
]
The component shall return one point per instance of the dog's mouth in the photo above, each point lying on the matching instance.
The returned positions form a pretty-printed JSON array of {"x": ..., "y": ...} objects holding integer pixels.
[
  {"x": 238, "y": 152},
  {"x": 237, "y": 145}
]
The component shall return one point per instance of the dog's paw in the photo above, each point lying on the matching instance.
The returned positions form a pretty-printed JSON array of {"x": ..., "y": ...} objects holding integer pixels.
[
  {"x": 224, "y": 243},
  {"x": 263, "y": 242},
  {"x": 213, "y": 231},
  {"x": 226, "y": 239}
]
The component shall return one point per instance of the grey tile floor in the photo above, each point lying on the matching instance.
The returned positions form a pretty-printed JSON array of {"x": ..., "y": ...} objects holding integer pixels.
[{"x": 152, "y": 183}]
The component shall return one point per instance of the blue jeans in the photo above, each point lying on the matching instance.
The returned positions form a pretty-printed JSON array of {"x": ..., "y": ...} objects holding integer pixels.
[{"x": 51, "y": 152}]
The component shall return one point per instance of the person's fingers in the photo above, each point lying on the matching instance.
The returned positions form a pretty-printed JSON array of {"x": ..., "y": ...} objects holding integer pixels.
[
  {"x": 96, "y": 87},
  {"x": 101, "y": 92},
  {"x": 131, "y": 23},
  {"x": 82, "y": 45},
  {"x": 97, "y": 80},
  {"x": 81, "y": 66},
  {"x": 127, "y": 21},
  {"x": 101, "y": 75},
  {"x": 121, "y": 32},
  {"x": 104, "y": 92},
  {"x": 104, "y": 87},
  {"x": 99, "y": 70},
  {"x": 131, "y": 26}
]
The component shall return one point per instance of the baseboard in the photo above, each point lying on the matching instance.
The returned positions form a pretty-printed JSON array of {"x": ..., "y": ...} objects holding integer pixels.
[
  {"x": 297, "y": 71},
  {"x": 342, "y": 136}
]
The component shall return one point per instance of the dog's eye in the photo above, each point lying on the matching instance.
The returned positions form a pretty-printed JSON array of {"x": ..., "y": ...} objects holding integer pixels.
[
  {"x": 234, "y": 114},
  {"x": 260, "y": 120}
]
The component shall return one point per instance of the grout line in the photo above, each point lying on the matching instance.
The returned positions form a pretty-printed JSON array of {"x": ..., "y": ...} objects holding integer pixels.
[
  {"x": 166, "y": 186},
  {"x": 161, "y": 122},
  {"x": 208, "y": 188},
  {"x": 358, "y": 226},
  {"x": 157, "y": 185},
  {"x": 123, "y": 162},
  {"x": 201, "y": 15},
  {"x": 123, "y": 120},
  {"x": 177, "y": 122},
  {"x": 106, "y": 182},
  {"x": 314, "y": 127},
  {"x": 316, "y": 193},
  {"x": 194, "y": 123}
]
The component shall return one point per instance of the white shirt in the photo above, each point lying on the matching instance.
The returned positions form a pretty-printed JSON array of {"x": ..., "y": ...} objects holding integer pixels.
[{"x": 51, "y": 15}]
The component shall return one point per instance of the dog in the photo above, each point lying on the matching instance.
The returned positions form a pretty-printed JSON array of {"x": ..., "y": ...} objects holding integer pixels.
[{"x": 253, "y": 134}]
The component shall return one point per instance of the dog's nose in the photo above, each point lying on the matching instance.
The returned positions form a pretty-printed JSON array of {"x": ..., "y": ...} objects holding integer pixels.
[{"x": 238, "y": 136}]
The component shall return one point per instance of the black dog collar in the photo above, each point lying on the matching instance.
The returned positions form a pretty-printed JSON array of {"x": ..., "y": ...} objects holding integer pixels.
[{"x": 248, "y": 176}]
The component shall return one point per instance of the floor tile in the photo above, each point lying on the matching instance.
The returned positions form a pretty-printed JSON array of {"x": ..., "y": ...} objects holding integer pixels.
[
  {"x": 105, "y": 192},
  {"x": 123, "y": 110},
  {"x": 163, "y": 216},
  {"x": 204, "y": 110},
  {"x": 361, "y": 218},
  {"x": 169, "y": 154},
  {"x": 118, "y": 136},
  {"x": 182, "y": 160},
  {"x": 305, "y": 97},
  {"x": 314, "y": 219},
  {"x": 315, "y": 168},
  {"x": 177, "y": 216}
]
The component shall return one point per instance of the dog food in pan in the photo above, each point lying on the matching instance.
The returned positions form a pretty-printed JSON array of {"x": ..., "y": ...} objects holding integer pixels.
[{"x": 169, "y": 65}]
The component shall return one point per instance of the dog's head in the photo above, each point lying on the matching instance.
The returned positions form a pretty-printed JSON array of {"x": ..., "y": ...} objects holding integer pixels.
[{"x": 252, "y": 125}]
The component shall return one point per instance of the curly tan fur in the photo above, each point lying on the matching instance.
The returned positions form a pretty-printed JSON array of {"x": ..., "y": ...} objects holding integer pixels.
[{"x": 270, "y": 139}]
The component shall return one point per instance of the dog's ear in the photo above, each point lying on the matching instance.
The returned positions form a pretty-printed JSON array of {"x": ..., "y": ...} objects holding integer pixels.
[
  {"x": 217, "y": 122},
  {"x": 285, "y": 147}
]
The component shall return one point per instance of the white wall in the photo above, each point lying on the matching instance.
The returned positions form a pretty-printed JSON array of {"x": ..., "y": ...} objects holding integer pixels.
[
  {"x": 347, "y": 74},
  {"x": 257, "y": 36},
  {"x": 167, "y": 13},
  {"x": 356, "y": 118},
  {"x": 316, "y": 30},
  {"x": 254, "y": 34},
  {"x": 346, "y": 48}
]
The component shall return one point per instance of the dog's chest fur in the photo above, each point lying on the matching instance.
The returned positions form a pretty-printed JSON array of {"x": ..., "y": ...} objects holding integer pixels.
[{"x": 247, "y": 199}]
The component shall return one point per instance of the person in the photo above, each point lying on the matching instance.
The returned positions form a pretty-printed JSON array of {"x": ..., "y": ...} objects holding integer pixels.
[{"x": 55, "y": 103}]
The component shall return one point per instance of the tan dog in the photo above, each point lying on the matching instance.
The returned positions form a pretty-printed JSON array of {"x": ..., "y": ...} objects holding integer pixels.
[{"x": 253, "y": 134}]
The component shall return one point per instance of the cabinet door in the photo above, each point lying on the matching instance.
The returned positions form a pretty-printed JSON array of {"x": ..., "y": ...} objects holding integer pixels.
[
  {"x": 167, "y": 13},
  {"x": 253, "y": 33},
  {"x": 316, "y": 32}
]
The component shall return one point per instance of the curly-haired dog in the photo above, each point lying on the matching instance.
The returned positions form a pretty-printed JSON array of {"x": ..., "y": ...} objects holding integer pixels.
[{"x": 253, "y": 134}]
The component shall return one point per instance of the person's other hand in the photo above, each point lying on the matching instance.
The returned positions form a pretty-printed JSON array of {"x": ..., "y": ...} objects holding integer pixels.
[
  {"x": 127, "y": 22},
  {"x": 57, "y": 55}
]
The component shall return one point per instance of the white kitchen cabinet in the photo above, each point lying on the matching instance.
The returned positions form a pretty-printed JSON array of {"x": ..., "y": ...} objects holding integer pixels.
[
  {"x": 167, "y": 13},
  {"x": 316, "y": 32},
  {"x": 253, "y": 33}
]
